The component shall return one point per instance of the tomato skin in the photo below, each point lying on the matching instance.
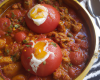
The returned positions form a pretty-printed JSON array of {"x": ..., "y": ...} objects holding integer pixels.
[
  {"x": 76, "y": 57},
  {"x": 50, "y": 24},
  {"x": 52, "y": 62},
  {"x": 20, "y": 36},
  {"x": 74, "y": 47},
  {"x": 4, "y": 23},
  {"x": 14, "y": 13},
  {"x": 73, "y": 71},
  {"x": 2, "y": 33}
]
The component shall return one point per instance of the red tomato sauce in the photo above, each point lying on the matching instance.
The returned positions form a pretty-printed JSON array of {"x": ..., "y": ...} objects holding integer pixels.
[{"x": 70, "y": 35}]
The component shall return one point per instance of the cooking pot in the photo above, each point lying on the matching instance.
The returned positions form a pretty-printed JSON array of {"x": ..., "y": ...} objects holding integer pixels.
[{"x": 93, "y": 49}]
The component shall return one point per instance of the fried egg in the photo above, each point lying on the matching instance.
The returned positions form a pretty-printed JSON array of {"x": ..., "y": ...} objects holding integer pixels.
[
  {"x": 40, "y": 55},
  {"x": 38, "y": 14}
]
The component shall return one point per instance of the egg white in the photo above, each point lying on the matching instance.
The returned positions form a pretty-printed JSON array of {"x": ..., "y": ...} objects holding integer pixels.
[
  {"x": 34, "y": 62},
  {"x": 40, "y": 20}
]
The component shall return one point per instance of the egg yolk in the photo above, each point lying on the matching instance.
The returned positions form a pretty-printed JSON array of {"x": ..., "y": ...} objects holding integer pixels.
[
  {"x": 37, "y": 13},
  {"x": 39, "y": 50}
]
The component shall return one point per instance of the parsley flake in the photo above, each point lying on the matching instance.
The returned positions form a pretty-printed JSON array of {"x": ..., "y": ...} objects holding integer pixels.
[
  {"x": 7, "y": 51},
  {"x": 13, "y": 15},
  {"x": 12, "y": 58},
  {"x": 29, "y": 70},
  {"x": 69, "y": 35},
  {"x": 28, "y": 58},
  {"x": 11, "y": 26},
  {"x": 7, "y": 34},
  {"x": 25, "y": 41},
  {"x": 16, "y": 25},
  {"x": 44, "y": 62},
  {"x": 5, "y": 23},
  {"x": 28, "y": 45},
  {"x": 54, "y": 44},
  {"x": 70, "y": 65}
]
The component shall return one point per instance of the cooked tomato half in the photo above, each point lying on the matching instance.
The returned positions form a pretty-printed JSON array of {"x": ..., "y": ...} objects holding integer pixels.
[
  {"x": 42, "y": 18},
  {"x": 41, "y": 57}
]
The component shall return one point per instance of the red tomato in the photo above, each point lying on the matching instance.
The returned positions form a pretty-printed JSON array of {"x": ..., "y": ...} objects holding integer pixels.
[
  {"x": 14, "y": 13},
  {"x": 2, "y": 33},
  {"x": 4, "y": 23},
  {"x": 42, "y": 36},
  {"x": 50, "y": 24},
  {"x": 73, "y": 71},
  {"x": 48, "y": 65},
  {"x": 76, "y": 58},
  {"x": 20, "y": 36},
  {"x": 84, "y": 45},
  {"x": 74, "y": 47}
]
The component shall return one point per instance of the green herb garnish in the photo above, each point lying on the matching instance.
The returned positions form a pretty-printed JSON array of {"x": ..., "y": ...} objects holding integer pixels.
[
  {"x": 7, "y": 51},
  {"x": 29, "y": 70},
  {"x": 7, "y": 34},
  {"x": 44, "y": 62},
  {"x": 12, "y": 58},
  {"x": 28, "y": 58},
  {"x": 28, "y": 45},
  {"x": 11, "y": 26},
  {"x": 54, "y": 44},
  {"x": 16, "y": 25},
  {"x": 62, "y": 17},
  {"x": 69, "y": 35},
  {"x": 5, "y": 23},
  {"x": 13, "y": 15},
  {"x": 47, "y": 1},
  {"x": 25, "y": 41},
  {"x": 70, "y": 65},
  {"x": 10, "y": 29},
  {"x": 56, "y": 7}
]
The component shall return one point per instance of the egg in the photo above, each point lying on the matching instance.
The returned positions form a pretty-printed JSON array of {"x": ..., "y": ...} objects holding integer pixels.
[
  {"x": 42, "y": 18},
  {"x": 38, "y": 14},
  {"x": 40, "y": 55}
]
